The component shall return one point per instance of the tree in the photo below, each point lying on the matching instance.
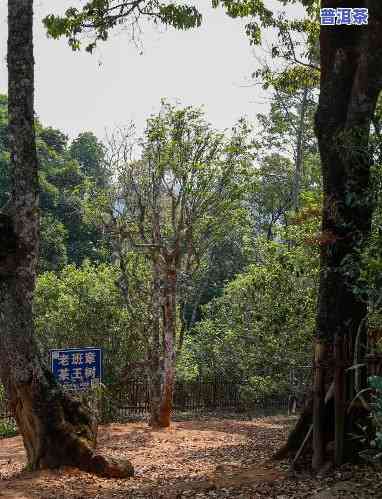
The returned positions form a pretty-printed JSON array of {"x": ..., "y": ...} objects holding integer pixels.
[
  {"x": 66, "y": 174},
  {"x": 100, "y": 16},
  {"x": 270, "y": 198},
  {"x": 351, "y": 71},
  {"x": 287, "y": 160},
  {"x": 171, "y": 205},
  {"x": 349, "y": 87},
  {"x": 53, "y": 240},
  {"x": 90, "y": 154},
  {"x": 261, "y": 326},
  {"x": 56, "y": 428}
]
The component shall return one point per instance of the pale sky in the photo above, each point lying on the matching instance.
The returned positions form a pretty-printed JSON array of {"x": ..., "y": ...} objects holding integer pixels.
[{"x": 76, "y": 91}]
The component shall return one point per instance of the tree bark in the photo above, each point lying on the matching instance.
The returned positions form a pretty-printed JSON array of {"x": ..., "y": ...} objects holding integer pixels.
[
  {"x": 339, "y": 401},
  {"x": 169, "y": 326},
  {"x": 351, "y": 79},
  {"x": 162, "y": 382},
  {"x": 56, "y": 429},
  {"x": 318, "y": 406},
  {"x": 154, "y": 375},
  {"x": 299, "y": 151}
]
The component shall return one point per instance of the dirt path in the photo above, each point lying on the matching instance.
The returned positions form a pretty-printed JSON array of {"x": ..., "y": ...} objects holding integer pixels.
[{"x": 213, "y": 458}]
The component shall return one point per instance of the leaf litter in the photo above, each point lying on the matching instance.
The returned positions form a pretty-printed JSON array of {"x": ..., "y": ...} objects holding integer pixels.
[{"x": 202, "y": 458}]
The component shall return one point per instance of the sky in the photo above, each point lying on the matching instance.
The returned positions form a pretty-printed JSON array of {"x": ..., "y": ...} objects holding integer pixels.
[{"x": 77, "y": 91}]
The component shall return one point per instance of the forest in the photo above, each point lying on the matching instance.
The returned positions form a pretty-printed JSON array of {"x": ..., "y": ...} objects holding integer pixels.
[{"x": 231, "y": 278}]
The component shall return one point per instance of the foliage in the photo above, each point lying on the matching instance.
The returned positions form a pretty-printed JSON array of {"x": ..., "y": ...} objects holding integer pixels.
[
  {"x": 84, "y": 307},
  {"x": 186, "y": 191},
  {"x": 288, "y": 171},
  {"x": 90, "y": 154},
  {"x": 100, "y": 16},
  {"x": 258, "y": 387},
  {"x": 65, "y": 173},
  {"x": 8, "y": 428},
  {"x": 375, "y": 382},
  {"x": 53, "y": 251},
  {"x": 295, "y": 51},
  {"x": 262, "y": 324},
  {"x": 200, "y": 175}
]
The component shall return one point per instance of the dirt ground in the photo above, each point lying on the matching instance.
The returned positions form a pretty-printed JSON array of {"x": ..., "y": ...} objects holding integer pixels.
[{"x": 199, "y": 459}]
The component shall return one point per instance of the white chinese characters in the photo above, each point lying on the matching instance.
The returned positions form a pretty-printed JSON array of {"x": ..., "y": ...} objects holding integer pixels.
[{"x": 77, "y": 368}]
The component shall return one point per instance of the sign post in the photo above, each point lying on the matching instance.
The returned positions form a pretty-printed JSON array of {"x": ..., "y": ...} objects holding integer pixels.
[{"x": 77, "y": 368}]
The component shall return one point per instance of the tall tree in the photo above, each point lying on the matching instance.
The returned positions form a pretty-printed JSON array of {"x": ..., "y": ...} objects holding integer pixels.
[
  {"x": 350, "y": 82},
  {"x": 66, "y": 174},
  {"x": 90, "y": 154},
  {"x": 172, "y": 204},
  {"x": 56, "y": 428},
  {"x": 351, "y": 79}
]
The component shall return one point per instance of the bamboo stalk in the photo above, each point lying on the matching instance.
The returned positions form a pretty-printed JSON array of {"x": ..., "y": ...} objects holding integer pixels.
[
  {"x": 339, "y": 400},
  {"x": 318, "y": 406}
]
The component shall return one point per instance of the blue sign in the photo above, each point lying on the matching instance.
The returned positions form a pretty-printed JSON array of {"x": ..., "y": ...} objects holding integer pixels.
[
  {"x": 344, "y": 16},
  {"x": 77, "y": 368}
]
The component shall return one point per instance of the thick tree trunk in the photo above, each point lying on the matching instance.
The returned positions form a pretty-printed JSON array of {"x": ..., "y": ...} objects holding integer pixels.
[
  {"x": 351, "y": 79},
  {"x": 298, "y": 434},
  {"x": 56, "y": 429}
]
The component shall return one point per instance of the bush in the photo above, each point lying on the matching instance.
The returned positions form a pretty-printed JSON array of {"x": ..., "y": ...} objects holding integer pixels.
[
  {"x": 263, "y": 387},
  {"x": 82, "y": 307},
  {"x": 8, "y": 428},
  {"x": 260, "y": 329}
]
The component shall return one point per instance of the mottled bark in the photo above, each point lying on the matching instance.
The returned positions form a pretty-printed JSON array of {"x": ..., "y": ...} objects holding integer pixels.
[
  {"x": 154, "y": 374},
  {"x": 162, "y": 381},
  {"x": 56, "y": 429},
  {"x": 169, "y": 326}
]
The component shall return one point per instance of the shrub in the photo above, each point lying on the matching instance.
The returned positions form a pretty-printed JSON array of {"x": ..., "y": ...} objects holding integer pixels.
[{"x": 8, "y": 428}]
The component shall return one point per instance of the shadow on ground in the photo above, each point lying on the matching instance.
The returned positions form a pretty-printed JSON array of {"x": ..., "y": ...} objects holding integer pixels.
[{"x": 194, "y": 456}]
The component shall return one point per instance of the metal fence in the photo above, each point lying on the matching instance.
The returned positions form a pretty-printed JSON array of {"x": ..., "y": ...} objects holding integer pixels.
[
  {"x": 195, "y": 397},
  {"x": 191, "y": 397}
]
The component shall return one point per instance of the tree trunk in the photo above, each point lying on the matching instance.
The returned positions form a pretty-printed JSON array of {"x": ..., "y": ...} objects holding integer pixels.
[
  {"x": 56, "y": 429},
  {"x": 351, "y": 79},
  {"x": 169, "y": 325},
  {"x": 154, "y": 375},
  {"x": 339, "y": 400},
  {"x": 299, "y": 151},
  {"x": 318, "y": 406},
  {"x": 161, "y": 382}
]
